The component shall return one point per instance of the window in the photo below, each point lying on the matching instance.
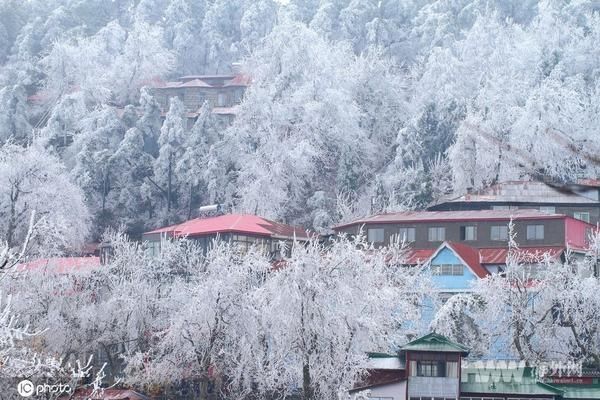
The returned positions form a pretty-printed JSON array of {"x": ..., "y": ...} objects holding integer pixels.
[
  {"x": 413, "y": 368},
  {"x": 431, "y": 368},
  {"x": 582, "y": 216},
  {"x": 243, "y": 243},
  {"x": 548, "y": 209},
  {"x": 405, "y": 235},
  {"x": 535, "y": 232},
  {"x": 447, "y": 269},
  {"x": 452, "y": 369},
  {"x": 222, "y": 99},
  {"x": 237, "y": 96},
  {"x": 504, "y": 208},
  {"x": 468, "y": 233},
  {"x": 437, "y": 234},
  {"x": 153, "y": 248},
  {"x": 427, "y": 368},
  {"x": 499, "y": 232},
  {"x": 375, "y": 235}
]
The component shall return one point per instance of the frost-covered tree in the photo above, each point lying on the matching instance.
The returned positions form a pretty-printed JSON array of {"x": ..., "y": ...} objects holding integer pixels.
[
  {"x": 318, "y": 313},
  {"x": 171, "y": 140},
  {"x": 538, "y": 309},
  {"x": 94, "y": 168},
  {"x": 33, "y": 181},
  {"x": 14, "y": 123},
  {"x": 334, "y": 120},
  {"x": 192, "y": 167}
]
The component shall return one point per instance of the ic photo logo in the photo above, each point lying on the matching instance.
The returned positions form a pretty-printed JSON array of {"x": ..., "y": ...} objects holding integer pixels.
[{"x": 26, "y": 388}]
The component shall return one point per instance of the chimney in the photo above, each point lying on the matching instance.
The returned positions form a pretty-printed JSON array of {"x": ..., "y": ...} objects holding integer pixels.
[{"x": 236, "y": 68}]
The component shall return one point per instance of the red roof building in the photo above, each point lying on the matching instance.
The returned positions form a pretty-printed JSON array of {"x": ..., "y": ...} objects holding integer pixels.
[
  {"x": 222, "y": 92},
  {"x": 580, "y": 200},
  {"x": 474, "y": 228},
  {"x": 243, "y": 230}
]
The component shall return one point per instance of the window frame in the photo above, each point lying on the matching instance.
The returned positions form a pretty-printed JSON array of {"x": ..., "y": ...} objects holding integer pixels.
[
  {"x": 407, "y": 234},
  {"x": 501, "y": 237},
  {"x": 369, "y": 230},
  {"x": 464, "y": 233},
  {"x": 578, "y": 216},
  {"x": 545, "y": 209},
  {"x": 436, "y": 237},
  {"x": 534, "y": 230}
]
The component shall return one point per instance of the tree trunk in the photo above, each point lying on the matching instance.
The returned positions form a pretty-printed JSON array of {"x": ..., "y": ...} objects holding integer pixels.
[
  {"x": 190, "y": 202},
  {"x": 169, "y": 186},
  {"x": 306, "y": 382}
]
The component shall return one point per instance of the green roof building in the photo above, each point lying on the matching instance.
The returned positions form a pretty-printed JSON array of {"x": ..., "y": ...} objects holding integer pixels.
[{"x": 433, "y": 368}]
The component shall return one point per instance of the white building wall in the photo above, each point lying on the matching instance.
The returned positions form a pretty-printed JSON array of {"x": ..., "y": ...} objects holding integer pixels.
[
  {"x": 422, "y": 386},
  {"x": 392, "y": 391}
]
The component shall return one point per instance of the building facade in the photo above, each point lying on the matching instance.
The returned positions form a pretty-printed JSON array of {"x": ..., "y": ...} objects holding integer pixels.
[
  {"x": 434, "y": 368},
  {"x": 222, "y": 92},
  {"x": 580, "y": 200},
  {"x": 241, "y": 230},
  {"x": 479, "y": 229}
]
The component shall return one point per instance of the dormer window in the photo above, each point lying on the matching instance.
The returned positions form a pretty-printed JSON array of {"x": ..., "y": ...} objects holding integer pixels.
[{"x": 434, "y": 368}]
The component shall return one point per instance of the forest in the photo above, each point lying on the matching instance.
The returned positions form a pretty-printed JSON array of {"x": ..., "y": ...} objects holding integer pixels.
[{"x": 354, "y": 107}]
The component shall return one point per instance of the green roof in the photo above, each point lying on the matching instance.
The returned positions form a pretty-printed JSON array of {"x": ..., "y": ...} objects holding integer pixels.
[
  {"x": 381, "y": 355},
  {"x": 517, "y": 381},
  {"x": 580, "y": 392},
  {"x": 436, "y": 343}
]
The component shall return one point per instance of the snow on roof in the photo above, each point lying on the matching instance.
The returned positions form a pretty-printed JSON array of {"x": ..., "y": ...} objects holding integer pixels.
[
  {"x": 234, "y": 223},
  {"x": 449, "y": 216},
  {"x": 523, "y": 192},
  {"x": 388, "y": 362}
]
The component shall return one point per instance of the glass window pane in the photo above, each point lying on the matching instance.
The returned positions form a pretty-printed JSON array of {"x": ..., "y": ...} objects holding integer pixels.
[{"x": 375, "y": 235}]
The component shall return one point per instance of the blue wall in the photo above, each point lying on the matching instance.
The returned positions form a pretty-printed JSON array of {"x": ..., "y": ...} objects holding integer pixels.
[
  {"x": 452, "y": 282},
  {"x": 446, "y": 283}
]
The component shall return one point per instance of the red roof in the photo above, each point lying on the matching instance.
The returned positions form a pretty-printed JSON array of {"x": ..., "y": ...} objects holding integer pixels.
[
  {"x": 470, "y": 256},
  {"x": 589, "y": 182},
  {"x": 498, "y": 256},
  {"x": 449, "y": 216},
  {"x": 195, "y": 83},
  {"x": 234, "y": 223},
  {"x": 377, "y": 377},
  {"x": 239, "y": 80},
  {"x": 60, "y": 265},
  {"x": 475, "y": 258},
  {"x": 418, "y": 256}
]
